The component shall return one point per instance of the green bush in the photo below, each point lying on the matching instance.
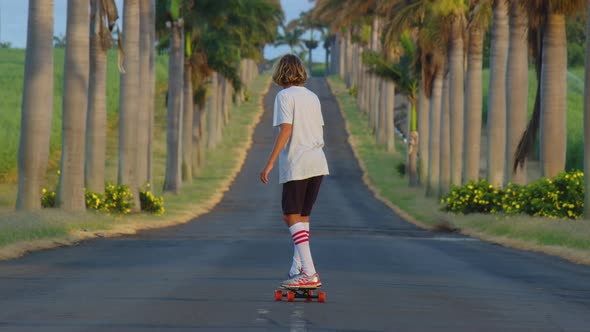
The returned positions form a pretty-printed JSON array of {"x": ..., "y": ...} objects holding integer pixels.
[
  {"x": 47, "y": 198},
  {"x": 560, "y": 197},
  {"x": 150, "y": 203},
  {"x": 401, "y": 169},
  {"x": 474, "y": 197},
  {"x": 117, "y": 199},
  {"x": 353, "y": 91}
]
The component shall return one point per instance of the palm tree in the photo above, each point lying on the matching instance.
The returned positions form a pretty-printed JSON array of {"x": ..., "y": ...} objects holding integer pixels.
[
  {"x": 554, "y": 86},
  {"x": 212, "y": 112},
  {"x": 101, "y": 13},
  {"x": 548, "y": 40},
  {"x": 516, "y": 90},
  {"x": 411, "y": 16},
  {"x": 404, "y": 73},
  {"x": 291, "y": 36},
  {"x": 173, "y": 177},
  {"x": 434, "y": 144},
  {"x": 146, "y": 102},
  {"x": 151, "y": 92},
  {"x": 587, "y": 121},
  {"x": 496, "y": 131},
  {"x": 70, "y": 192},
  {"x": 453, "y": 12},
  {"x": 187, "y": 113},
  {"x": 480, "y": 17},
  {"x": 445, "y": 139},
  {"x": 128, "y": 101},
  {"x": 37, "y": 106}
]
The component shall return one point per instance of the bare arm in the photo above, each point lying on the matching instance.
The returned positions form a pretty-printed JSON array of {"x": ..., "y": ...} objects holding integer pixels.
[{"x": 280, "y": 142}]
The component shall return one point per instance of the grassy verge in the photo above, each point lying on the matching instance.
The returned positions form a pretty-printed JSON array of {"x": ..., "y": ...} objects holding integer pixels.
[
  {"x": 565, "y": 238},
  {"x": 22, "y": 232}
]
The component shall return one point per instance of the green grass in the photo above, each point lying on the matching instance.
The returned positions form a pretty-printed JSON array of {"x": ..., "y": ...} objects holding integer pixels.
[
  {"x": 318, "y": 69},
  {"x": 55, "y": 224},
  {"x": 527, "y": 232},
  {"x": 575, "y": 112}
]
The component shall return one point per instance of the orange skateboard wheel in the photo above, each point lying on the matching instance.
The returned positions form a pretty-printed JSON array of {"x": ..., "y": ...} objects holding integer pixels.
[{"x": 290, "y": 296}]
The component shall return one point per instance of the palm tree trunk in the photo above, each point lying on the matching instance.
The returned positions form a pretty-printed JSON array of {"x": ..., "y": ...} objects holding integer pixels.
[
  {"x": 473, "y": 104},
  {"x": 413, "y": 141},
  {"x": 348, "y": 59},
  {"x": 128, "y": 100},
  {"x": 361, "y": 86},
  {"x": 37, "y": 105},
  {"x": 96, "y": 125},
  {"x": 196, "y": 137},
  {"x": 334, "y": 55},
  {"x": 70, "y": 193},
  {"x": 390, "y": 116},
  {"x": 380, "y": 113},
  {"x": 226, "y": 101},
  {"x": 517, "y": 91},
  {"x": 173, "y": 178},
  {"x": 433, "y": 178},
  {"x": 212, "y": 113},
  {"x": 187, "y": 123},
  {"x": 310, "y": 62},
  {"x": 203, "y": 134},
  {"x": 456, "y": 100},
  {"x": 341, "y": 55},
  {"x": 423, "y": 130},
  {"x": 587, "y": 121},
  {"x": 354, "y": 66},
  {"x": 553, "y": 96},
  {"x": 497, "y": 96},
  {"x": 445, "y": 140},
  {"x": 219, "y": 111},
  {"x": 143, "y": 122},
  {"x": 151, "y": 92}
]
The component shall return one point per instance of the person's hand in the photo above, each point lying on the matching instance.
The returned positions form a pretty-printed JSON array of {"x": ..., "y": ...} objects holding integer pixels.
[{"x": 265, "y": 172}]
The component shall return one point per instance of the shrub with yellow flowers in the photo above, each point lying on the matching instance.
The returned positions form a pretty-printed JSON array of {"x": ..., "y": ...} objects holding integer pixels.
[
  {"x": 560, "y": 197},
  {"x": 48, "y": 198},
  {"x": 474, "y": 197},
  {"x": 117, "y": 199},
  {"x": 151, "y": 203}
]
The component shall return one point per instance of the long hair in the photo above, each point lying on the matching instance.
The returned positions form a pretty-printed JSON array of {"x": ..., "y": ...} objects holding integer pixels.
[{"x": 289, "y": 71}]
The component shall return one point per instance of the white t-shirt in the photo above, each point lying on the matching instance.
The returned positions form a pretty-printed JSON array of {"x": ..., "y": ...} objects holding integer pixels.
[{"x": 302, "y": 157}]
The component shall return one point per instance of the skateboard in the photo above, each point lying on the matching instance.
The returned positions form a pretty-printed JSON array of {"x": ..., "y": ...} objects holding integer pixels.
[{"x": 299, "y": 293}]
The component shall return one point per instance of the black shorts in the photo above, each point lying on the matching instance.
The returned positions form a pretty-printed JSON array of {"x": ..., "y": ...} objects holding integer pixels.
[{"x": 299, "y": 195}]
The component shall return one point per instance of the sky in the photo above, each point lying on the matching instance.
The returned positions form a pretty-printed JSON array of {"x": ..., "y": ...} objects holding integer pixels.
[{"x": 13, "y": 23}]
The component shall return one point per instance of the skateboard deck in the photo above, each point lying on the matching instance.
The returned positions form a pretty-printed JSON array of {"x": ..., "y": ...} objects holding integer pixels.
[{"x": 299, "y": 293}]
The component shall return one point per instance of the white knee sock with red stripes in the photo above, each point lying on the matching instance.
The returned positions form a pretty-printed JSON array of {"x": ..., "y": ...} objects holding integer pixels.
[
  {"x": 296, "y": 266},
  {"x": 301, "y": 240}
]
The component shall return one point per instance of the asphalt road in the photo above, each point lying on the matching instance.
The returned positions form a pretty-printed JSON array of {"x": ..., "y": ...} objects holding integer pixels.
[{"x": 218, "y": 273}]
